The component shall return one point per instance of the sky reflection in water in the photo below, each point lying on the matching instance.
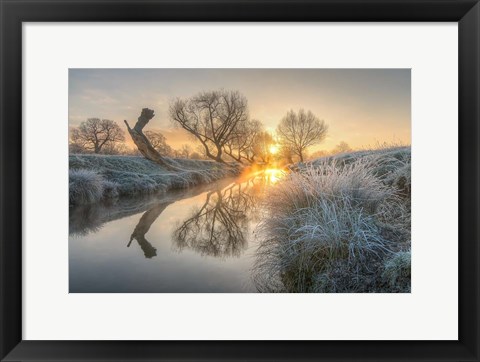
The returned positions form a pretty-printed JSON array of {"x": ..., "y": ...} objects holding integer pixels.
[{"x": 196, "y": 240}]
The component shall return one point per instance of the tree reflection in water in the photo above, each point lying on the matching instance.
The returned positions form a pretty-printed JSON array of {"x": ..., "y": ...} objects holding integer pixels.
[
  {"x": 143, "y": 226},
  {"x": 219, "y": 227}
]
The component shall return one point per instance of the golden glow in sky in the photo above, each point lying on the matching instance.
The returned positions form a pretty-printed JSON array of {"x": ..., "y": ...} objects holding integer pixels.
[
  {"x": 273, "y": 149},
  {"x": 361, "y": 106}
]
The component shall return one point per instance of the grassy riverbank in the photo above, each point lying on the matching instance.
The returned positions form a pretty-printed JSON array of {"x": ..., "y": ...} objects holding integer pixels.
[
  {"x": 93, "y": 178},
  {"x": 339, "y": 224}
]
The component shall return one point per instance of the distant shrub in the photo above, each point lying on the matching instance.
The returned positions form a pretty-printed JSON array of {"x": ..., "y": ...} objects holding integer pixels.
[
  {"x": 110, "y": 189},
  {"x": 398, "y": 270},
  {"x": 85, "y": 187}
]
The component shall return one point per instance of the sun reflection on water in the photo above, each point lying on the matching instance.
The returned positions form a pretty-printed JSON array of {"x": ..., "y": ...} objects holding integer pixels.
[
  {"x": 274, "y": 174},
  {"x": 270, "y": 174}
]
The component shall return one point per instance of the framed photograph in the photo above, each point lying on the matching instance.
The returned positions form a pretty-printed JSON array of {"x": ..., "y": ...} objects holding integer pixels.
[{"x": 240, "y": 180}]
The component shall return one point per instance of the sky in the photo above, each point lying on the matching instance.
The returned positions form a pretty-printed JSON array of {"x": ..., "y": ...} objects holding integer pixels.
[{"x": 360, "y": 106}]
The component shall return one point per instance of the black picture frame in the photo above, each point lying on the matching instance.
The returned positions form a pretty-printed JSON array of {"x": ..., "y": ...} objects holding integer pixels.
[{"x": 14, "y": 12}]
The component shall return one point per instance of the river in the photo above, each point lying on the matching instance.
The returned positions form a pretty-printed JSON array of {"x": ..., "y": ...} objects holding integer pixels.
[{"x": 200, "y": 240}]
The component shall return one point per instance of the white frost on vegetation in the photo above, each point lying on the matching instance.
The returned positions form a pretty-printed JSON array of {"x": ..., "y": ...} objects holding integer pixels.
[
  {"x": 97, "y": 177},
  {"x": 332, "y": 224}
]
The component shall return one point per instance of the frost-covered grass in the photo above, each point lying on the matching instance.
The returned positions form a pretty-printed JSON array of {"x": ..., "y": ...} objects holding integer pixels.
[
  {"x": 334, "y": 224},
  {"x": 398, "y": 270},
  {"x": 85, "y": 186},
  {"x": 98, "y": 177},
  {"x": 88, "y": 218}
]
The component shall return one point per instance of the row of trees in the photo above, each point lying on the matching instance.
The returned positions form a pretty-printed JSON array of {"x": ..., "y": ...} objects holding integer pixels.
[
  {"x": 219, "y": 120},
  {"x": 103, "y": 136},
  {"x": 159, "y": 143},
  {"x": 220, "y": 123}
]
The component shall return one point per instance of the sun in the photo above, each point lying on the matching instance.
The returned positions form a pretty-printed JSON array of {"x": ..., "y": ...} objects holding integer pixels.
[{"x": 273, "y": 149}]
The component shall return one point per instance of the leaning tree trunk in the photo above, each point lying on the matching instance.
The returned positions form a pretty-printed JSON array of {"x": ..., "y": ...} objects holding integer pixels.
[{"x": 142, "y": 142}]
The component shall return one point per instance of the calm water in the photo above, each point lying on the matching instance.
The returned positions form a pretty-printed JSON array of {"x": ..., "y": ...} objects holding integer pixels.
[{"x": 198, "y": 240}]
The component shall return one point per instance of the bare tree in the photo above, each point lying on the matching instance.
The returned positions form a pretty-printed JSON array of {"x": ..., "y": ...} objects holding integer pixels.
[
  {"x": 301, "y": 130},
  {"x": 185, "y": 151},
  {"x": 241, "y": 146},
  {"x": 159, "y": 142},
  {"x": 211, "y": 117},
  {"x": 286, "y": 152},
  {"x": 118, "y": 148},
  {"x": 201, "y": 151},
  {"x": 319, "y": 154},
  {"x": 94, "y": 133},
  {"x": 262, "y": 145},
  {"x": 74, "y": 147},
  {"x": 342, "y": 147}
]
